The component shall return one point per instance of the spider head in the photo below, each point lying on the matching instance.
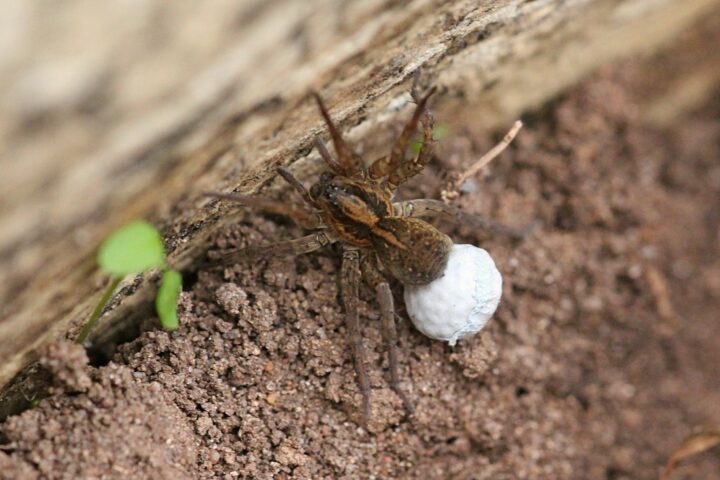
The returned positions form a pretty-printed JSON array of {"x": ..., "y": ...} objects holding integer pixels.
[{"x": 350, "y": 205}]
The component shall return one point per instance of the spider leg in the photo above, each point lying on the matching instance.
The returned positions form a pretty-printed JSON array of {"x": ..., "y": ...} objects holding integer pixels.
[
  {"x": 393, "y": 166},
  {"x": 307, "y": 219},
  {"x": 350, "y": 163},
  {"x": 333, "y": 164},
  {"x": 297, "y": 185},
  {"x": 426, "y": 207},
  {"x": 377, "y": 282},
  {"x": 349, "y": 286},
  {"x": 297, "y": 246},
  {"x": 409, "y": 168}
]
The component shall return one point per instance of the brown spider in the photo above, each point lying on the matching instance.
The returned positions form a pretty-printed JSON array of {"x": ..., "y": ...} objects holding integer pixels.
[{"x": 354, "y": 205}]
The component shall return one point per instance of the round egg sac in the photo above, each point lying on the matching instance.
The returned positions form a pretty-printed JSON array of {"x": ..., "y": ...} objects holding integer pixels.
[{"x": 460, "y": 302}]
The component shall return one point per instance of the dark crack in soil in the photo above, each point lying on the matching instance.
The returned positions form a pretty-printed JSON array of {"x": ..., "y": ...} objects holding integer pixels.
[{"x": 601, "y": 358}]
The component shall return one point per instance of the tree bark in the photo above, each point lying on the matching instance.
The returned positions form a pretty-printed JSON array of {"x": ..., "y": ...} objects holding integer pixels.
[{"x": 113, "y": 111}]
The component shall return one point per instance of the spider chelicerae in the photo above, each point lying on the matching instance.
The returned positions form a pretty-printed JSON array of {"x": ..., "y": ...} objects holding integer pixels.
[{"x": 353, "y": 204}]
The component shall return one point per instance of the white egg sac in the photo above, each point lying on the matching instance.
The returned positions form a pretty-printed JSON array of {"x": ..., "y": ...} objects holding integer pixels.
[{"x": 461, "y": 301}]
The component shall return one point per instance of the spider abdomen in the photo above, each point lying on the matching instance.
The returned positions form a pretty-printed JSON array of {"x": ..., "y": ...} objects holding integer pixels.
[{"x": 412, "y": 250}]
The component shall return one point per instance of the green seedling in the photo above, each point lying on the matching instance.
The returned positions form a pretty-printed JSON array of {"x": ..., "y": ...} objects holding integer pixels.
[{"x": 133, "y": 249}]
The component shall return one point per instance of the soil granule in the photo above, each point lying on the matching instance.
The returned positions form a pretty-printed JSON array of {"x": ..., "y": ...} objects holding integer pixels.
[{"x": 601, "y": 358}]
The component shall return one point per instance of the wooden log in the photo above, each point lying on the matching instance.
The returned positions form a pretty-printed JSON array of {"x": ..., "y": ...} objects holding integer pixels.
[{"x": 113, "y": 111}]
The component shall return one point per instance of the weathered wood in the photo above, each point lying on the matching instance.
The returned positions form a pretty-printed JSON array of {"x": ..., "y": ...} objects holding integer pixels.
[{"x": 111, "y": 111}]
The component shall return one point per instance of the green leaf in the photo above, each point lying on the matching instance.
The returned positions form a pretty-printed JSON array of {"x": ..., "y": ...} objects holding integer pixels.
[
  {"x": 166, "y": 300},
  {"x": 133, "y": 248}
]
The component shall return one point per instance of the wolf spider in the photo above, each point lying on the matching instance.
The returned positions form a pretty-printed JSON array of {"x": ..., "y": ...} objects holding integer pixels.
[{"x": 353, "y": 204}]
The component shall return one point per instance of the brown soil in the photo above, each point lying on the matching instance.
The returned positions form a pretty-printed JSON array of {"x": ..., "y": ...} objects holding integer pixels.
[{"x": 602, "y": 357}]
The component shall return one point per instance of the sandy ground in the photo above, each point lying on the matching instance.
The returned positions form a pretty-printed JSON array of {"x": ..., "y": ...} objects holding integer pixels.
[{"x": 601, "y": 358}]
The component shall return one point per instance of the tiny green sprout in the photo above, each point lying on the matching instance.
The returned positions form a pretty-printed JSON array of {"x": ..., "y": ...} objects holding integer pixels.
[
  {"x": 439, "y": 132},
  {"x": 135, "y": 248}
]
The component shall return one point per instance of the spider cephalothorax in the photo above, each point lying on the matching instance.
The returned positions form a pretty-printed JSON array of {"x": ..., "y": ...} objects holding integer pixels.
[
  {"x": 353, "y": 205},
  {"x": 361, "y": 213}
]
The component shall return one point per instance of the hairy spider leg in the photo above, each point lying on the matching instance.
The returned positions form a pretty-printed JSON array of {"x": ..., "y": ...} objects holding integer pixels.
[
  {"x": 388, "y": 166},
  {"x": 297, "y": 185},
  {"x": 350, "y": 162},
  {"x": 408, "y": 168},
  {"x": 305, "y": 218},
  {"x": 430, "y": 208},
  {"x": 329, "y": 160},
  {"x": 297, "y": 246},
  {"x": 349, "y": 286},
  {"x": 375, "y": 280}
]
